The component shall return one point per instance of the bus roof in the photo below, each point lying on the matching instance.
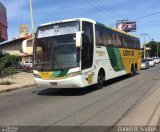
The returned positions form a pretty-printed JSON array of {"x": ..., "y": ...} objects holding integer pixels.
[
  {"x": 89, "y": 20},
  {"x": 68, "y": 20}
]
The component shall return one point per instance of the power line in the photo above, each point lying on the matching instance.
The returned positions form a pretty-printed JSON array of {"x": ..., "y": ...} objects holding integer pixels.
[
  {"x": 100, "y": 9},
  {"x": 158, "y": 12},
  {"x": 111, "y": 9},
  {"x": 105, "y": 9},
  {"x": 146, "y": 16}
]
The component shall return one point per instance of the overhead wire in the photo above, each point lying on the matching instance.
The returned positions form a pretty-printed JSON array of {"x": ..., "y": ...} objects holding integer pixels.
[
  {"x": 102, "y": 7},
  {"x": 146, "y": 16},
  {"x": 112, "y": 13},
  {"x": 93, "y": 4},
  {"x": 109, "y": 9},
  {"x": 139, "y": 18}
]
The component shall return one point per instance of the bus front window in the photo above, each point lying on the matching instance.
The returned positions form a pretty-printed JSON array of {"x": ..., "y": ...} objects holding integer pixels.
[
  {"x": 42, "y": 54},
  {"x": 56, "y": 53}
]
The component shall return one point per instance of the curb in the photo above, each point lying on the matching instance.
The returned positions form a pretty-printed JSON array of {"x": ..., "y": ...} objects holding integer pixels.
[{"x": 16, "y": 88}]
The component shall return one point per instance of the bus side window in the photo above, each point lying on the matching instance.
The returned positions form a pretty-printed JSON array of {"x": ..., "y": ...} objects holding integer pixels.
[
  {"x": 135, "y": 43},
  {"x": 87, "y": 44},
  {"x": 121, "y": 38},
  {"x": 100, "y": 36},
  {"x": 118, "y": 42},
  {"x": 98, "y": 41},
  {"x": 128, "y": 42},
  {"x": 125, "y": 41},
  {"x": 138, "y": 44}
]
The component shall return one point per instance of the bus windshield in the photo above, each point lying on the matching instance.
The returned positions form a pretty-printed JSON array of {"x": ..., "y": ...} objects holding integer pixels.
[
  {"x": 56, "y": 53},
  {"x": 55, "y": 46}
]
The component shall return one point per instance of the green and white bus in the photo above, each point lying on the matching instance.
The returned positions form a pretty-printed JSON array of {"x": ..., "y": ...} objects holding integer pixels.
[{"x": 79, "y": 52}]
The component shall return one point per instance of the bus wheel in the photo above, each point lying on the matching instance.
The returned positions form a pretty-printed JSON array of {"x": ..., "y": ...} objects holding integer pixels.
[
  {"x": 100, "y": 80},
  {"x": 133, "y": 72}
]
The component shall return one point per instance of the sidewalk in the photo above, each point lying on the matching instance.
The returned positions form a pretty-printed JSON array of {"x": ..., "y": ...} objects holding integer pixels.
[{"x": 21, "y": 80}]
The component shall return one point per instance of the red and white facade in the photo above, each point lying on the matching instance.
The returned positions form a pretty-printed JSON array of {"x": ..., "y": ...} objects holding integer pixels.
[{"x": 3, "y": 23}]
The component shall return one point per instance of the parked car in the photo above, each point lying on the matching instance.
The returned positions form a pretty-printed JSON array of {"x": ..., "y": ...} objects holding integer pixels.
[
  {"x": 27, "y": 66},
  {"x": 156, "y": 60},
  {"x": 144, "y": 64},
  {"x": 18, "y": 67},
  {"x": 151, "y": 62}
]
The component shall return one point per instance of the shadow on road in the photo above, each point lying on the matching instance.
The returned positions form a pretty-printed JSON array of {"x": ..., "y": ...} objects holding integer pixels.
[
  {"x": 118, "y": 79},
  {"x": 66, "y": 91},
  {"x": 78, "y": 91}
]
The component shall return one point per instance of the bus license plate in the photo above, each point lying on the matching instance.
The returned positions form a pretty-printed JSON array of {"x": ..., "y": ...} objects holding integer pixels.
[{"x": 53, "y": 83}]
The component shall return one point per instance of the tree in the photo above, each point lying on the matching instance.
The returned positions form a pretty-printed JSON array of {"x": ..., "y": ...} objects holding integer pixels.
[
  {"x": 11, "y": 60},
  {"x": 7, "y": 64},
  {"x": 153, "y": 45}
]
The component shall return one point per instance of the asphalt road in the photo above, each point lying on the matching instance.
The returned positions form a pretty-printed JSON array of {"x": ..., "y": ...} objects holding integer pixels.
[{"x": 123, "y": 101}]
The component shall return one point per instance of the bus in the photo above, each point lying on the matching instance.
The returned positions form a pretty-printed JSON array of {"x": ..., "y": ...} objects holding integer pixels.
[{"x": 80, "y": 52}]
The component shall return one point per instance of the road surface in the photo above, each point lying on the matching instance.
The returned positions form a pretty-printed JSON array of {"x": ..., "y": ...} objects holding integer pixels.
[{"x": 125, "y": 101}]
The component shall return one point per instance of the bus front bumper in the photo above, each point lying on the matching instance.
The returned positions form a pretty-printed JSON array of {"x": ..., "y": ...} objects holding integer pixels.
[{"x": 72, "y": 82}]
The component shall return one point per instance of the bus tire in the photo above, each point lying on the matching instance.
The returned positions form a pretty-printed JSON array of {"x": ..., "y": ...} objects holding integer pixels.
[
  {"x": 132, "y": 71},
  {"x": 135, "y": 69},
  {"x": 100, "y": 79}
]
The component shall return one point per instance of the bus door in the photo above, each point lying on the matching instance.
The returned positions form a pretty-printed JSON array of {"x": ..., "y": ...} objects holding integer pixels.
[{"x": 87, "y": 47}]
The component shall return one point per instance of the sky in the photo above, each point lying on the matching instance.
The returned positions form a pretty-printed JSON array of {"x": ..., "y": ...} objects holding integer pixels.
[{"x": 103, "y": 11}]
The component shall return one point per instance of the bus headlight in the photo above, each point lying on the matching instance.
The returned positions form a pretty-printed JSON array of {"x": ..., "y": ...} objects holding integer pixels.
[
  {"x": 37, "y": 76},
  {"x": 72, "y": 74}
]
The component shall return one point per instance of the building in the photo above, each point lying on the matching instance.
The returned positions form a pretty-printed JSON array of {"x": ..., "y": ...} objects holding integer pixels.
[
  {"x": 21, "y": 47},
  {"x": 13, "y": 47},
  {"x": 23, "y": 30},
  {"x": 3, "y": 23}
]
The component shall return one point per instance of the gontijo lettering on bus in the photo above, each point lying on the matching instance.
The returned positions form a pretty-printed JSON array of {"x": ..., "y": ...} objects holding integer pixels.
[{"x": 128, "y": 52}]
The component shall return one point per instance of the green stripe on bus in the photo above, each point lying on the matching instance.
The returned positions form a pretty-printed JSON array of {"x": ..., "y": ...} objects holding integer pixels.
[
  {"x": 60, "y": 73},
  {"x": 119, "y": 59},
  {"x": 115, "y": 58}
]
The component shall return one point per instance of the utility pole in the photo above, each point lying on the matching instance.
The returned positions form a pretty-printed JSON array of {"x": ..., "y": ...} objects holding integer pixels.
[
  {"x": 144, "y": 46},
  {"x": 149, "y": 52},
  {"x": 31, "y": 15},
  {"x": 157, "y": 49},
  {"x": 32, "y": 24}
]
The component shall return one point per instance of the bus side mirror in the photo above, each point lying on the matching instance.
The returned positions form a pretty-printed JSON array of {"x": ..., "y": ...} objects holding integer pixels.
[{"x": 79, "y": 38}]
